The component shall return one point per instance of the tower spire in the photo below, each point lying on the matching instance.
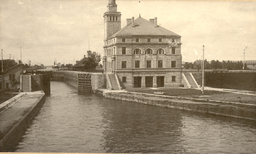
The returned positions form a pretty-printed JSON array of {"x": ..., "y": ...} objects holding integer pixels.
[
  {"x": 112, "y": 7},
  {"x": 112, "y": 19},
  {"x": 112, "y": 2}
]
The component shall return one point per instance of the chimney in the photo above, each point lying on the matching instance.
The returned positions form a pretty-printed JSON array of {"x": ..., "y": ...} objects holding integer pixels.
[
  {"x": 155, "y": 22},
  {"x": 132, "y": 21},
  {"x": 152, "y": 21},
  {"x": 128, "y": 20}
]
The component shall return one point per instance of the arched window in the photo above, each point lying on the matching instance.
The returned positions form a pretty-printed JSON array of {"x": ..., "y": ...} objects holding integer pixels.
[
  {"x": 160, "y": 51},
  {"x": 137, "y": 51},
  {"x": 149, "y": 51}
]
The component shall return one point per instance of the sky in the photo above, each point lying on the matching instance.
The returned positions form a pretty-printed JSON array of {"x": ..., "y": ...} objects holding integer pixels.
[{"x": 44, "y": 31}]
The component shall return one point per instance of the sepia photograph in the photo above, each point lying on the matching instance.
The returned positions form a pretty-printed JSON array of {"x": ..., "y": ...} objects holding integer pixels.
[{"x": 127, "y": 76}]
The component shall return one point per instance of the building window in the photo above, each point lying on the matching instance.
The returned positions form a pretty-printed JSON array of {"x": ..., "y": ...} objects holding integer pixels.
[
  {"x": 173, "y": 63},
  {"x": 123, "y": 39},
  {"x": 160, "y": 51},
  {"x": 123, "y": 79},
  {"x": 137, "y": 51},
  {"x": 173, "y": 78},
  {"x": 160, "y": 63},
  {"x": 137, "y": 40},
  {"x": 137, "y": 64},
  {"x": 123, "y": 50},
  {"x": 123, "y": 64},
  {"x": 160, "y": 40},
  {"x": 149, "y": 51},
  {"x": 148, "y": 63},
  {"x": 148, "y": 40},
  {"x": 173, "y": 50}
]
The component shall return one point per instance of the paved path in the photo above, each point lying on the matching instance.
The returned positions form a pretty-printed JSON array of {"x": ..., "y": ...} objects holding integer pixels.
[
  {"x": 10, "y": 116},
  {"x": 244, "y": 92}
]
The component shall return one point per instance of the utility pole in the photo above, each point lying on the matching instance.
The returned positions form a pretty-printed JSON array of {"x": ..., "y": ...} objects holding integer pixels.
[
  {"x": 89, "y": 44},
  {"x": 203, "y": 73},
  {"x": 20, "y": 55},
  {"x": 2, "y": 60},
  {"x": 244, "y": 58},
  {"x": 2, "y": 69}
]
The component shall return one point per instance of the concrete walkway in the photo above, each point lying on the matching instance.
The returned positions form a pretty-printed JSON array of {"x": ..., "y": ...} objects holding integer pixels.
[
  {"x": 237, "y": 91},
  {"x": 17, "y": 110}
]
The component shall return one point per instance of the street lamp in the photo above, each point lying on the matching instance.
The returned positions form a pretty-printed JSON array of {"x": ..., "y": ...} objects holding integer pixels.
[
  {"x": 2, "y": 69},
  {"x": 202, "y": 90},
  {"x": 244, "y": 58}
]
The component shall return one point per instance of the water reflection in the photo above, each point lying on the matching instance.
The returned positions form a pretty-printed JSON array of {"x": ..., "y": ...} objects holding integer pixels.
[
  {"x": 132, "y": 127},
  {"x": 76, "y": 123}
]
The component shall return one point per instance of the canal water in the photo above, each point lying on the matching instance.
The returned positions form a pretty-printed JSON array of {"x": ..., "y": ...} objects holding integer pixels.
[{"x": 88, "y": 123}]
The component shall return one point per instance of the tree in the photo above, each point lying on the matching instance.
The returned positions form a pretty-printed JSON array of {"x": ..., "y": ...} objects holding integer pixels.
[
  {"x": 69, "y": 66},
  {"x": 186, "y": 65},
  {"x": 8, "y": 63},
  {"x": 197, "y": 64},
  {"x": 92, "y": 61},
  {"x": 207, "y": 65}
]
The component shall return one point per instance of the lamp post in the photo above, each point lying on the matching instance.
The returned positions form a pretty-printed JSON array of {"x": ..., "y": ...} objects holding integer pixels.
[
  {"x": 202, "y": 90},
  {"x": 244, "y": 58},
  {"x": 2, "y": 69}
]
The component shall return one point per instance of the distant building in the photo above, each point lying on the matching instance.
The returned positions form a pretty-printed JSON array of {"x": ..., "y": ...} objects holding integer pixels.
[
  {"x": 10, "y": 78},
  {"x": 80, "y": 65},
  {"x": 141, "y": 54}
]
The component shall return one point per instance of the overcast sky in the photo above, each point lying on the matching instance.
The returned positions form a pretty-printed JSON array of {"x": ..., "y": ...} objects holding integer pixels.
[{"x": 48, "y": 30}]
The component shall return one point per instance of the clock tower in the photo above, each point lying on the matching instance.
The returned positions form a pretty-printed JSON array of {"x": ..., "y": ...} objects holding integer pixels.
[{"x": 112, "y": 20}]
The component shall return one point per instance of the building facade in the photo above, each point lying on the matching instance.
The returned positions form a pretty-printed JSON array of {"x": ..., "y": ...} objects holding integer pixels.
[
  {"x": 142, "y": 54},
  {"x": 10, "y": 78}
]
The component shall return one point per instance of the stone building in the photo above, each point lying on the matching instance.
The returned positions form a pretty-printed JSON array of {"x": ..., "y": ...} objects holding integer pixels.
[
  {"x": 141, "y": 54},
  {"x": 10, "y": 78}
]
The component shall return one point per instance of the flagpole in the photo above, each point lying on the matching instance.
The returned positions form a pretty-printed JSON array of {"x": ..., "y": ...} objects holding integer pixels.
[
  {"x": 244, "y": 58},
  {"x": 203, "y": 73},
  {"x": 2, "y": 69}
]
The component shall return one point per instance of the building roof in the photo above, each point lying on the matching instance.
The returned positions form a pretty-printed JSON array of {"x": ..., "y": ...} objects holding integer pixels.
[
  {"x": 80, "y": 63},
  {"x": 15, "y": 68},
  {"x": 142, "y": 27}
]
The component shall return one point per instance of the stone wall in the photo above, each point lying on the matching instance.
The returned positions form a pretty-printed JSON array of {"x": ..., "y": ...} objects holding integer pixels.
[
  {"x": 231, "y": 80},
  {"x": 97, "y": 80},
  {"x": 230, "y": 109}
]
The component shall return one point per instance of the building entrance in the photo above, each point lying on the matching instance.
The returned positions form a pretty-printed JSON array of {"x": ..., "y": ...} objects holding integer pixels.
[
  {"x": 160, "y": 81},
  {"x": 137, "y": 81},
  {"x": 149, "y": 81}
]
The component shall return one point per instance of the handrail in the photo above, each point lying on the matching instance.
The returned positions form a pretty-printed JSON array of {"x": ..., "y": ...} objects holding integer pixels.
[
  {"x": 186, "y": 80},
  {"x": 108, "y": 80},
  {"x": 118, "y": 84},
  {"x": 194, "y": 80}
]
